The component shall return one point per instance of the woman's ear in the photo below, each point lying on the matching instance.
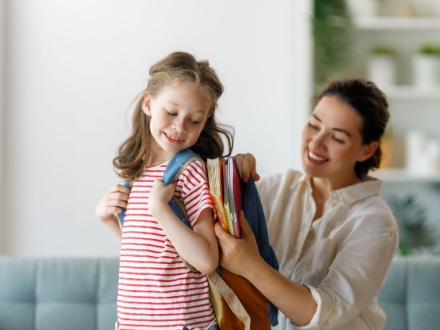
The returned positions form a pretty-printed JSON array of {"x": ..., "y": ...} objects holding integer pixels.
[
  {"x": 146, "y": 104},
  {"x": 368, "y": 151}
]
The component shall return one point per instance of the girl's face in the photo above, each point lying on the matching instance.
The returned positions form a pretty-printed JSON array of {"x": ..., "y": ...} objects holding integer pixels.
[
  {"x": 332, "y": 143},
  {"x": 177, "y": 117}
]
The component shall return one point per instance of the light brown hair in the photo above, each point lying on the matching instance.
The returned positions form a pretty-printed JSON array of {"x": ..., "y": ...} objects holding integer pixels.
[{"x": 134, "y": 152}]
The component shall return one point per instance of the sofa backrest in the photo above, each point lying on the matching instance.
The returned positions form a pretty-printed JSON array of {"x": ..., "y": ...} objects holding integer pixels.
[
  {"x": 80, "y": 293},
  {"x": 410, "y": 296},
  {"x": 57, "y": 293}
]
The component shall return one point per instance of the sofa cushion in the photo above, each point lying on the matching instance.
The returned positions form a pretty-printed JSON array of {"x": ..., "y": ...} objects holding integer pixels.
[
  {"x": 410, "y": 296},
  {"x": 57, "y": 293}
]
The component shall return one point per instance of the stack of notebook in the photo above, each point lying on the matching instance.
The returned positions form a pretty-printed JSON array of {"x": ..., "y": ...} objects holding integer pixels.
[{"x": 225, "y": 187}]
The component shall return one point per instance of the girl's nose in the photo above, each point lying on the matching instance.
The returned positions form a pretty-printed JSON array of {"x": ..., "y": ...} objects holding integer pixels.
[{"x": 179, "y": 125}]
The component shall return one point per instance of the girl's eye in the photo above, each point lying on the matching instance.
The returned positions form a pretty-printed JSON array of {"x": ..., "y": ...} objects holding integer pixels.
[
  {"x": 170, "y": 113},
  {"x": 197, "y": 121}
]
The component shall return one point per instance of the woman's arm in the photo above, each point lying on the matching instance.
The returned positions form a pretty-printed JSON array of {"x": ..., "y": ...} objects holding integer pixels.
[
  {"x": 198, "y": 245},
  {"x": 110, "y": 205},
  {"x": 241, "y": 257}
]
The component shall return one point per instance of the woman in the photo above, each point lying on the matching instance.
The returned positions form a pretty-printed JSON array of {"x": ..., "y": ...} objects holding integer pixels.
[{"x": 333, "y": 234}]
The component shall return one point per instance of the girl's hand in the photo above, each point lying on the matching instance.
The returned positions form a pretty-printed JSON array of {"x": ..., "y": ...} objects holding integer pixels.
[
  {"x": 238, "y": 255},
  {"x": 160, "y": 195},
  {"x": 112, "y": 202},
  {"x": 247, "y": 166}
]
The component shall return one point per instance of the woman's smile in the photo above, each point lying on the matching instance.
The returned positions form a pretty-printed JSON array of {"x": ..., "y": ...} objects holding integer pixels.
[{"x": 317, "y": 158}]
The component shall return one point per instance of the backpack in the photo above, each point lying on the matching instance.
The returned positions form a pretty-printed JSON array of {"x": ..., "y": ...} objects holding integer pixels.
[{"x": 236, "y": 302}]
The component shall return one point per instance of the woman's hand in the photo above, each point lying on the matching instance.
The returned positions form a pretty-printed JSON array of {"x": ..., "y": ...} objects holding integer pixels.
[
  {"x": 247, "y": 166},
  {"x": 238, "y": 255}
]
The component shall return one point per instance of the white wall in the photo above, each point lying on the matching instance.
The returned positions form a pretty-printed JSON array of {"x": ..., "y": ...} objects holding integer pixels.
[
  {"x": 75, "y": 66},
  {"x": 2, "y": 120}
]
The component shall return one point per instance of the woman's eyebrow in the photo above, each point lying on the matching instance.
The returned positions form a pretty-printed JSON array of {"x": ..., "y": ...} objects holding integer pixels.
[{"x": 316, "y": 117}]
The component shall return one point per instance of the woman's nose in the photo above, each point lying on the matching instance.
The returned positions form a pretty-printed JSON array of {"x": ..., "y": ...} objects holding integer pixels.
[{"x": 317, "y": 141}]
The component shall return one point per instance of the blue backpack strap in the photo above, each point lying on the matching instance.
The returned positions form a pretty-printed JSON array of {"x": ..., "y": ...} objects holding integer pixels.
[
  {"x": 176, "y": 165},
  {"x": 253, "y": 211},
  {"x": 122, "y": 214}
]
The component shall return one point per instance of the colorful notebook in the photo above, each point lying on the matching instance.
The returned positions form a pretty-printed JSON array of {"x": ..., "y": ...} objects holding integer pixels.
[
  {"x": 226, "y": 191},
  {"x": 215, "y": 179}
]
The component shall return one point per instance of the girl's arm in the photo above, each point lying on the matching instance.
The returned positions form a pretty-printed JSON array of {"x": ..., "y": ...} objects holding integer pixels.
[
  {"x": 241, "y": 257},
  {"x": 198, "y": 245},
  {"x": 110, "y": 205}
]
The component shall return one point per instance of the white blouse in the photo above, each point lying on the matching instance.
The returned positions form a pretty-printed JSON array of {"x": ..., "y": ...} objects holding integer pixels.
[{"x": 342, "y": 257}]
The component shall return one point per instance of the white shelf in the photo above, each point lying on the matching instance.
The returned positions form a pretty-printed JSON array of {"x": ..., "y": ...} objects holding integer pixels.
[
  {"x": 412, "y": 92},
  {"x": 399, "y": 175},
  {"x": 393, "y": 23}
]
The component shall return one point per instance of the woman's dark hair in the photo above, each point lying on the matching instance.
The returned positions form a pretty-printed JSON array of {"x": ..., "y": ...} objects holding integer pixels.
[
  {"x": 134, "y": 152},
  {"x": 372, "y": 105}
]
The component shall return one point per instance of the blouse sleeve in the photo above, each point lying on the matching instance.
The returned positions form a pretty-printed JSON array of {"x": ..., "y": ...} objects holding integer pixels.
[{"x": 358, "y": 270}]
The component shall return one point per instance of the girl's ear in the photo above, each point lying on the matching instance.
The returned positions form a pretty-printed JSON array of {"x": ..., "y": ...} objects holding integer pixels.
[
  {"x": 146, "y": 104},
  {"x": 368, "y": 151}
]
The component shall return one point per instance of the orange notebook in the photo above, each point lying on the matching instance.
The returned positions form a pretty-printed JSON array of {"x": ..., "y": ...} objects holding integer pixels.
[
  {"x": 225, "y": 187},
  {"x": 215, "y": 180}
]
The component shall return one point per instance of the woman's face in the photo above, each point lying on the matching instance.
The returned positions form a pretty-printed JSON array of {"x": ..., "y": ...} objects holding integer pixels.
[{"x": 332, "y": 143}]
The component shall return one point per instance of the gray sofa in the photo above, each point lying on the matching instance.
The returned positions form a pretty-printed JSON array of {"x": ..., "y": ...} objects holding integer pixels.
[
  {"x": 410, "y": 296},
  {"x": 80, "y": 293},
  {"x": 58, "y": 294}
]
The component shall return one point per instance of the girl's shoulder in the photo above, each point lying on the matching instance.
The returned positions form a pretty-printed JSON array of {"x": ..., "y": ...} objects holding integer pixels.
[{"x": 194, "y": 171}]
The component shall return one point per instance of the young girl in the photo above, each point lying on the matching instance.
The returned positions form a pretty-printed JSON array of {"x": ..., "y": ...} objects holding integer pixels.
[{"x": 175, "y": 112}]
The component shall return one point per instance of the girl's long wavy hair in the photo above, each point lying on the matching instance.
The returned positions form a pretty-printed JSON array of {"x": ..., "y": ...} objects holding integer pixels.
[
  {"x": 134, "y": 152},
  {"x": 372, "y": 105}
]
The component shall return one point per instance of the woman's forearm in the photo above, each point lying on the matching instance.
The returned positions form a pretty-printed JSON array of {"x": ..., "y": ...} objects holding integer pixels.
[{"x": 293, "y": 299}]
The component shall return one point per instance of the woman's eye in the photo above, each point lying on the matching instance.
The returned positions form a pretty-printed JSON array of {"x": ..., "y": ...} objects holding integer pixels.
[
  {"x": 337, "y": 140},
  {"x": 312, "y": 126},
  {"x": 195, "y": 122}
]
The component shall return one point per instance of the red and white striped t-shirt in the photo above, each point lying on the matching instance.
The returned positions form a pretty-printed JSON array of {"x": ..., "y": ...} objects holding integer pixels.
[{"x": 156, "y": 290}]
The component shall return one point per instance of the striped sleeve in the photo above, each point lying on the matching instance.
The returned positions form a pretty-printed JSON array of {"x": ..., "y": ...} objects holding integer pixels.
[{"x": 193, "y": 190}]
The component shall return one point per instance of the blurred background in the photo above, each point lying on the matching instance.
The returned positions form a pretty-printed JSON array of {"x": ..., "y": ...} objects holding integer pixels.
[{"x": 69, "y": 71}]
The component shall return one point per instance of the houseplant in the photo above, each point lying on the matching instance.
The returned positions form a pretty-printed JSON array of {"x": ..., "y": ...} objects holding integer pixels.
[
  {"x": 426, "y": 66},
  {"x": 381, "y": 65},
  {"x": 333, "y": 41},
  {"x": 415, "y": 236}
]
